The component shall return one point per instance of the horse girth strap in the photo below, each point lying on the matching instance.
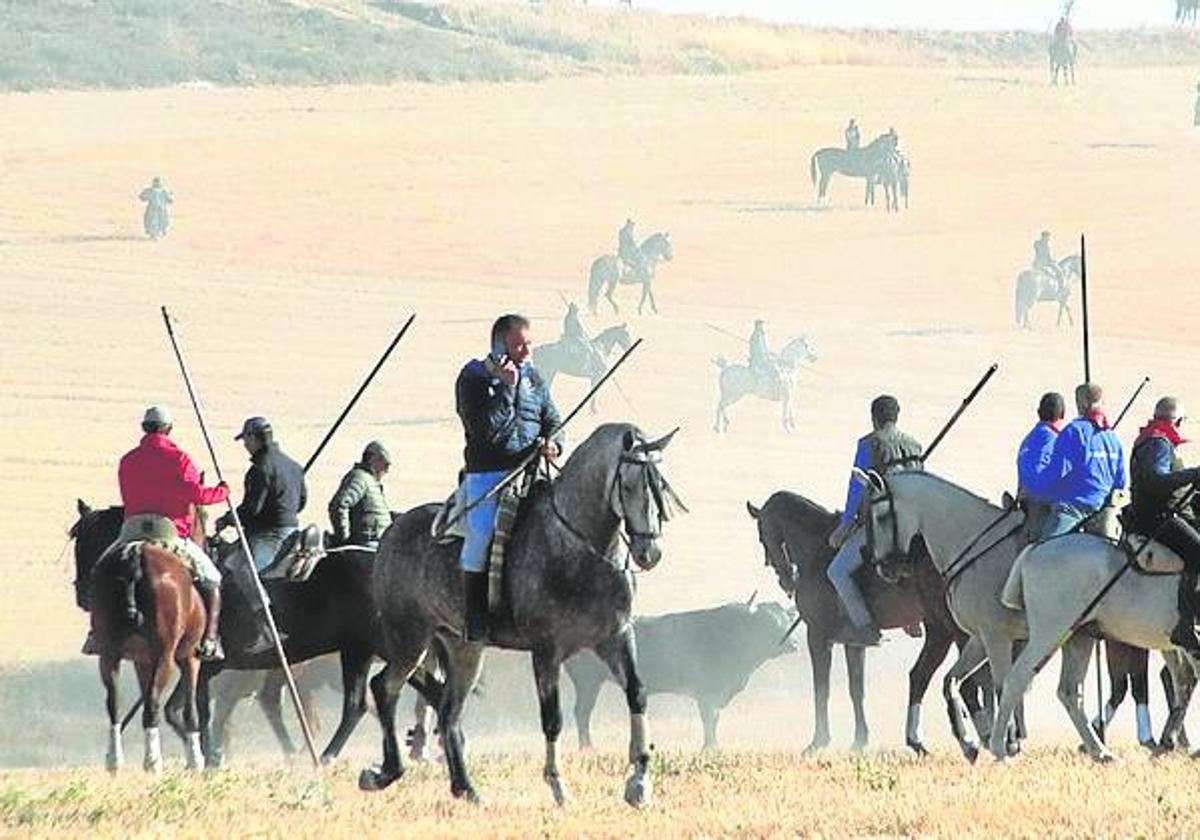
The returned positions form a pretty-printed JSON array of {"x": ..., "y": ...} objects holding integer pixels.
[{"x": 952, "y": 574}]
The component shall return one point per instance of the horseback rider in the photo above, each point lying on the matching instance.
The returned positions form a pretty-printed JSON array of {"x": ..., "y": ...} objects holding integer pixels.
[
  {"x": 628, "y": 251},
  {"x": 507, "y": 414},
  {"x": 1159, "y": 485},
  {"x": 275, "y": 493},
  {"x": 1063, "y": 33},
  {"x": 763, "y": 363},
  {"x": 156, "y": 197},
  {"x": 157, "y": 477},
  {"x": 1086, "y": 465},
  {"x": 1044, "y": 261},
  {"x": 853, "y": 138},
  {"x": 359, "y": 510},
  {"x": 1033, "y": 458},
  {"x": 576, "y": 337},
  {"x": 886, "y": 449}
]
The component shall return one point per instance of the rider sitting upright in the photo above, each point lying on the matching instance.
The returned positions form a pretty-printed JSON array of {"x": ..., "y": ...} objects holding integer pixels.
[
  {"x": 1160, "y": 490},
  {"x": 885, "y": 450},
  {"x": 507, "y": 414},
  {"x": 628, "y": 251}
]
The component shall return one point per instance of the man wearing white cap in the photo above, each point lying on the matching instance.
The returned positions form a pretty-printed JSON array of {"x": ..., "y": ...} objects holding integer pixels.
[{"x": 159, "y": 478}]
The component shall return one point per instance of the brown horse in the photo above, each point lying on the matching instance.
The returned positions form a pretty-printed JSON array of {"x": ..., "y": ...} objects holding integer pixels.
[{"x": 164, "y": 634}]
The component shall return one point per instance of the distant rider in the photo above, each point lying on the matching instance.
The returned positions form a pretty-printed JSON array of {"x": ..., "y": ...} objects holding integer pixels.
[
  {"x": 156, "y": 217},
  {"x": 1160, "y": 485},
  {"x": 507, "y": 414},
  {"x": 1086, "y": 465},
  {"x": 884, "y": 450},
  {"x": 628, "y": 251},
  {"x": 1044, "y": 261},
  {"x": 762, "y": 362},
  {"x": 853, "y": 138}
]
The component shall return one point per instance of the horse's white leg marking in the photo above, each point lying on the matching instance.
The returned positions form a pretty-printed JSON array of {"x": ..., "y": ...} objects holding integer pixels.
[
  {"x": 153, "y": 762},
  {"x": 639, "y": 789},
  {"x": 550, "y": 774},
  {"x": 1145, "y": 730},
  {"x": 195, "y": 755},
  {"x": 115, "y": 757}
]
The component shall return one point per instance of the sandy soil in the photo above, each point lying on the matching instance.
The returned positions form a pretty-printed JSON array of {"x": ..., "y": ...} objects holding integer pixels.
[{"x": 309, "y": 223}]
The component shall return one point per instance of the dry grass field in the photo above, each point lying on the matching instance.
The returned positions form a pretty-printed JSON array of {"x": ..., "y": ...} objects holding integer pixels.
[{"x": 309, "y": 223}]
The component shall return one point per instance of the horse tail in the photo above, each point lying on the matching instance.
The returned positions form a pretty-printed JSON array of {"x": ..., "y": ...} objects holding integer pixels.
[
  {"x": 1013, "y": 595},
  {"x": 1026, "y": 294}
]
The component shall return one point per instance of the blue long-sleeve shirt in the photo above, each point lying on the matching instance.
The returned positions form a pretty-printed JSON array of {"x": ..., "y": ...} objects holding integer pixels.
[
  {"x": 862, "y": 460},
  {"x": 1088, "y": 464},
  {"x": 1033, "y": 458}
]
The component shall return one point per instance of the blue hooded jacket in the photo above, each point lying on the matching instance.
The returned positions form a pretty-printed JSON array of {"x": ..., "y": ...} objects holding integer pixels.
[
  {"x": 1034, "y": 456},
  {"x": 1087, "y": 464}
]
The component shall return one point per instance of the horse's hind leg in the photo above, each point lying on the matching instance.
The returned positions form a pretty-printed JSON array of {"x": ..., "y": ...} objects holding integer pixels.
[
  {"x": 110, "y": 667},
  {"x": 933, "y": 652},
  {"x": 620, "y": 654},
  {"x": 547, "y": 671},
  {"x": 386, "y": 687},
  {"x": 463, "y": 662},
  {"x": 234, "y": 687},
  {"x": 970, "y": 658},
  {"x": 190, "y": 669},
  {"x": 270, "y": 700},
  {"x": 1139, "y": 683},
  {"x": 820, "y": 653},
  {"x": 1075, "y": 656},
  {"x": 856, "y": 658},
  {"x": 355, "y": 666},
  {"x": 608, "y": 294},
  {"x": 153, "y": 677}
]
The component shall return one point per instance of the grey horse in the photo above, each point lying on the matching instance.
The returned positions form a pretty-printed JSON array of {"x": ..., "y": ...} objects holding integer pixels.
[
  {"x": 567, "y": 587},
  {"x": 1035, "y": 287},
  {"x": 564, "y": 356},
  {"x": 1185, "y": 10},
  {"x": 737, "y": 381},
  {"x": 893, "y": 175},
  {"x": 1062, "y": 53},
  {"x": 605, "y": 274},
  {"x": 863, "y": 163}
]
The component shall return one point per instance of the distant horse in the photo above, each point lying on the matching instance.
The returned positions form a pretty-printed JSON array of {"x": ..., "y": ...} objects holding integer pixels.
[
  {"x": 1035, "y": 286},
  {"x": 605, "y": 274},
  {"x": 164, "y": 634},
  {"x": 893, "y": 175},
  {"x": 793, "y": 532},
  {"x": 865, "y": 163},
  {"x": 565, "y": 356},
  {"x": 1185, "y": 10},
  {"x": 330, "y": 612},
  {"x": 737, "y": 381},
  {"x": 1062, "y": 53},
  {"x": 567, "y": 586}
]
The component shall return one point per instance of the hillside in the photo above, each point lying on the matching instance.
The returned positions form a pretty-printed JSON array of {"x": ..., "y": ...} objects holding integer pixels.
[{"x": 145, "y": 43}]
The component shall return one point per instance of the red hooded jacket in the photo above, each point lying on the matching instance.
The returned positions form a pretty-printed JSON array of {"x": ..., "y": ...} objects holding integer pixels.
[{"x": 159, "y": 477}]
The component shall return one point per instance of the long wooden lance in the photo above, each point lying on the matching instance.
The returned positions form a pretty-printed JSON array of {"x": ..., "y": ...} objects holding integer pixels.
[
  {"x": 361, "y": 388},
  {"x": 1132, "y": 400},
  {"x": 532, "y": 456},
  {"x": 1087, "y": 333},
  {"x": 247, "y": 556}
]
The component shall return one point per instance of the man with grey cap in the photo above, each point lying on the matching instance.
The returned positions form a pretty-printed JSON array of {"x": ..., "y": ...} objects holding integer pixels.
[
  {"x": 359, "y": 510},
  {"x": 160, "y": 479},
  {"x": 275, "y": 494}
]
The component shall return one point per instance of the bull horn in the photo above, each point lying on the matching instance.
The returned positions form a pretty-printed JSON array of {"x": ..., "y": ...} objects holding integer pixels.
[{"x": 752, "y": 510}]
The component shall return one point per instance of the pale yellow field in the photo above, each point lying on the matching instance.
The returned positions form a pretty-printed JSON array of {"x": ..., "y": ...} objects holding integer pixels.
[{"x": 309, "y": 223}]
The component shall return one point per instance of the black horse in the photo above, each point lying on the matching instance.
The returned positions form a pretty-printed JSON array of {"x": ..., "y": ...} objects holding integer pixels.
[
  {"x": 794, "y": 533},
  {"x": 330, "y": 612},
  {"x": 567, "y": 586}
]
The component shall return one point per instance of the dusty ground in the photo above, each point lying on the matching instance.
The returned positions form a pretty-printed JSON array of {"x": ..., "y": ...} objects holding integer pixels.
[{"x": 309, "y": 223}]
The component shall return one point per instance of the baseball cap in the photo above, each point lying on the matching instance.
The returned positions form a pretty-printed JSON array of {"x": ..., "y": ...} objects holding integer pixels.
[{"x": 254, "y": 426}]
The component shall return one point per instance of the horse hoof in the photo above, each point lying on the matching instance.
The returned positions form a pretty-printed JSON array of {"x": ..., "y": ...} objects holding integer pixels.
[
  {"x": 373, "y": 779},
  {"x": 858, "y": 747},
  {"x": 1104, "y": 757},
  {"x": 970, "y": 753},
  {"x": 638, "y": 790},
  {"x": 1151, "y": 745},
  {"x": 559, "y": 791},
  {"x": 813, "y": 749},
  {"x": 467, "y": 794},
  {"x": 918, "y": 748}
]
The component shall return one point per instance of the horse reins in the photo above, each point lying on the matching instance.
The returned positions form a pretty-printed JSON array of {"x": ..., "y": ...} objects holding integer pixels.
[{"x": 962, "y": 562}]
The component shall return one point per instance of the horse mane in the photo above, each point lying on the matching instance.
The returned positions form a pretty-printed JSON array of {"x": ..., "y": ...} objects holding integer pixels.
[
  {"x": 946, "y": 482},
  {"x": 808, "y": 512}
]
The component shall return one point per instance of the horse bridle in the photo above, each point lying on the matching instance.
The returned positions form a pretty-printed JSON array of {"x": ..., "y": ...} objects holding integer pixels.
[{"x": 888, "y": 498}]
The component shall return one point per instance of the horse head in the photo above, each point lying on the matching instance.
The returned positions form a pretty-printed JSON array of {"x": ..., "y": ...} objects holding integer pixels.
[
  {"x": 798, "y": 351},
  {"x": 775, "y": 550},
  {"x": 658, "y": 247},
  {"x": 891, "y": 529},
  {"x": 93, "y": 532},
  {"x": 641, "y": 497},
  {"x": 793, "y": 532}
]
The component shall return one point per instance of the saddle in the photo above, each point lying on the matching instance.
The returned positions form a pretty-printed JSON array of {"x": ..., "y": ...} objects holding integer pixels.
[
  {"x": 1156, "y": 559},
  {"x": 296, "y": 558}
]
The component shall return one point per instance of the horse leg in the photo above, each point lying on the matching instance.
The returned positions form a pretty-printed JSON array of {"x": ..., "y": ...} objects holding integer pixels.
[
  {"x": 820, "y": 652},
  {"x": 586, "y": 693},
  {"x": 418, "y": 736},
  {"x": 620, "y": 654},
  {"x": 270, "y": 700},
  {"x": 190, "y": 668},
  {"x": 1076, "y": 654},
  {"x": 608, "y": 294},
  {"x": 463, "y": 662},
  {"x": 152, "y": 677},
  {"x": 110, "y": 667},
  {"x": 856, "y": 657},
  {"x": 650, "y": 292},
  {"x": 999, "y": 651},
  {"x": 546, "y": 673},
  {"x": 406, "y": 647},
  {"x": 235, "y": 686},
  {"x": 1182, "y": 682},
  {"x": 355, "y": 666},
  {"x": 1139, "y": 683},
  {"x": 933, "y": 653},
  {"x": 970, "y": 658}
]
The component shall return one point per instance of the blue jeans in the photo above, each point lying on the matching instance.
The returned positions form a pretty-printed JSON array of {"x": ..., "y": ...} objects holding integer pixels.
[
  {"x": 264, "y": 545},
  {"x": 841, "y": 571},
  {"x": 480, "y": 521},
  {"x": 1062, "y": 518}
]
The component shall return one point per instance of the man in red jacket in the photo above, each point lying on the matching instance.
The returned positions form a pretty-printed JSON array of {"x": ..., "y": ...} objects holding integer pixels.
[{"x": 160, "y": 478}]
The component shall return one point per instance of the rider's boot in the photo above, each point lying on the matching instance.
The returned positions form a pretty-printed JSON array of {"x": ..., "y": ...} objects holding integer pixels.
[
  {"x": 851, "y": 634},
  {"x": 475, "y": 589},
  {"x": 209, "y": 648},
  {"x": 258, "y": 635},
  {"x": 1184, "y": 634},
  {"x": 90, "y": 648}
]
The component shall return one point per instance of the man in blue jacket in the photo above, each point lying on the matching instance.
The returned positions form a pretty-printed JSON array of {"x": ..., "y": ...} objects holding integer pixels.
[
  {"x": 1086, "y": 465},
  {"x": 1034, "y": 456},
  {"x": 507, "y": 414}
]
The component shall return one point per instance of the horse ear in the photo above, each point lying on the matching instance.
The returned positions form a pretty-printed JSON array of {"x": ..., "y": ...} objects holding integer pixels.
[
  {"x": 752, "y": 510},
  {"x": 83, "y": 507},
  {"x": 660, "y": 444},
  {"x": 630, "y": 440}
]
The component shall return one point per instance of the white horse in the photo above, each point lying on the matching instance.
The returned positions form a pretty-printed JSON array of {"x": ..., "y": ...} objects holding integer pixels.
[
  {"x": 1055, "y": 583},
  {"x": 972, "y": 544},
  {"x": 737, "y": 381}
]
